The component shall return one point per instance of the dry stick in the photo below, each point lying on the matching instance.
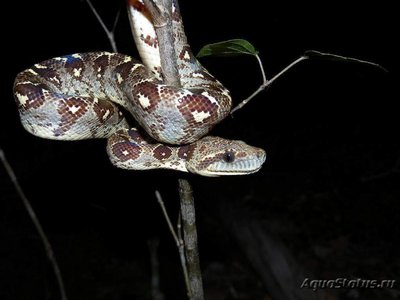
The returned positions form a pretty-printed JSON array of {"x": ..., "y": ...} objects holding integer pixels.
[
  {"x": 35, "y": 221},
  {"x": 109, "y": 33},
  {"x": 160, "y": 11}
]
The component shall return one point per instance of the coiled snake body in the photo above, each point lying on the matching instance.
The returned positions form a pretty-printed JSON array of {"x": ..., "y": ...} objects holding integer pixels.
[{"x": 80, "y": 96}]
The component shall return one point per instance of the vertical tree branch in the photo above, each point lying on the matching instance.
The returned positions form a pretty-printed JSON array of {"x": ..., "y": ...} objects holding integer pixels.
[
  {"x": 161, "y": 12},
  {"x": 190, "y": 238}
]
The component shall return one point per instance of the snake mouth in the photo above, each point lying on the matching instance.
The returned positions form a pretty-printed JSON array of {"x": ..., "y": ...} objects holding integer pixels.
[
  {"x": 233, "y": 172},
  {"x": 241, "y": 167}
]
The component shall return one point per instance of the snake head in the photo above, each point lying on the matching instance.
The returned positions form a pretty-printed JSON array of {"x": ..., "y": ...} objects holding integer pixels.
[{"x": 214, "y": 156}]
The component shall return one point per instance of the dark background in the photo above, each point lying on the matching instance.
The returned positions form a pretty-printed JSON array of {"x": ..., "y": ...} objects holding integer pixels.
[{"x": 330, "y": 186}]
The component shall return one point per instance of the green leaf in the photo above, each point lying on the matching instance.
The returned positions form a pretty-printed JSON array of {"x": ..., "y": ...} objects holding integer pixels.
[{"x": 228, "y": 48}]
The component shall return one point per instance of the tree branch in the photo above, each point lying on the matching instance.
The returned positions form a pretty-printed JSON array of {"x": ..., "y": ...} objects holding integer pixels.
[
  {"x": 190, "y": 237},
  {"x": 161, "y": 12}
]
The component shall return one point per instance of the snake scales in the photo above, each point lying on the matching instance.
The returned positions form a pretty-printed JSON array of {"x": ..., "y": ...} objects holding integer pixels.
[{"x": 85, "y": 95}]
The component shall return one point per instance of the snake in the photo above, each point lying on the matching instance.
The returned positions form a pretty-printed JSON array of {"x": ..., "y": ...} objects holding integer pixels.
[{"x": 96, "y": 94}]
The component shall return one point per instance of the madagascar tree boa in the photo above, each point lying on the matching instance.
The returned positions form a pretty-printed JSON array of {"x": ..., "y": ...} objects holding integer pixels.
[{"x": 85, "y": 95}]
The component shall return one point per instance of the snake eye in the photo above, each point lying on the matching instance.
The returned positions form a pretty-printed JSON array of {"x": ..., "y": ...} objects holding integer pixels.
[{"x": 228, "y": 157}]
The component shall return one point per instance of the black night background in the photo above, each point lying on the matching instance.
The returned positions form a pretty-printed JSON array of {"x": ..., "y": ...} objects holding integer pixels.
[{"x": 326, "y": 200}]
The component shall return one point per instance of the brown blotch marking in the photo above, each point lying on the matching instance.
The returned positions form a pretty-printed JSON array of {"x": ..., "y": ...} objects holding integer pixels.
[
  {"x": 68, "y": 118},
  {"x": 75, "y": 64},
  {"x": 34, "y": 93},
  {"x": 241, "y": 154},
  {"x": 135, "y": 136},
  {"x": 126, "y": 151},
  {"x": 148, "y": 90},
  {"x": 186, "y": 52},
  {"x": 136, "y": 4},
  {"x": 168, "y": 93},
  {"x": 48, "y": 74},
  {"x": 162, "y": 152},
  {"x": 104, "y": 110},
  {"x": 153, "y": 131},
  {"x": 149, "y": 40},
  {"x": 161, "y": 121},
  {"x": 203, "y": 148},
  {"x": 157, "y": 70},
  {"x": 198, "y": 103},
  {"x": 223, "y": 101},
  {"x": 125, "y": 69},
  {"x": 186, "y": 152},
  {"x": 101, "y": 63},
  {"x": 206, "y": 76}
]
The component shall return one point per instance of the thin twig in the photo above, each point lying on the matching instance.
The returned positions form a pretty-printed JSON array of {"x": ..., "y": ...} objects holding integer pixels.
[
  {"x": 116, "y": 21},
  {"x": 109, "y": 33},
  {"x": 301, "y": 58},
  {"x": 171, "y": 228},
  {"x": 178, "y": 241},
  {"x": 266, "y": 83},
  {"x": 35, "y": 221},
  {"x": 307, "y": 55},
  {"x": 330, "y": 56}
]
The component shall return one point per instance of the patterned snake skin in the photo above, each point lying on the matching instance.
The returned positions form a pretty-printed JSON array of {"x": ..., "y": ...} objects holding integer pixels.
[{"x": 86, "y": 95}]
